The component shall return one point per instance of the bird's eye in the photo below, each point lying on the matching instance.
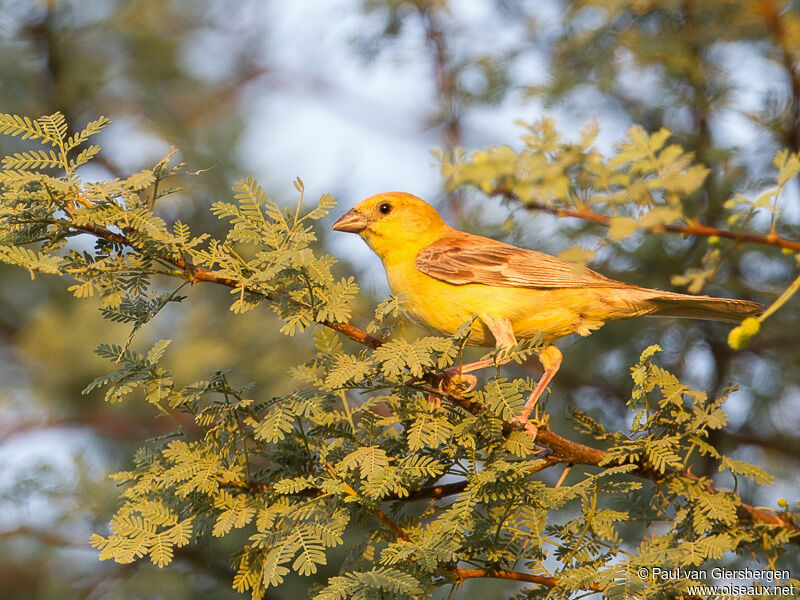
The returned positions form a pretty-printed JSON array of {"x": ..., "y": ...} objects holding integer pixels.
[{"x": 385, "y": 208}]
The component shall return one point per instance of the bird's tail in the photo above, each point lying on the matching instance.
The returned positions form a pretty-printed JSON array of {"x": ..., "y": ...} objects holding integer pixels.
[{"x": 670, "y": 304}]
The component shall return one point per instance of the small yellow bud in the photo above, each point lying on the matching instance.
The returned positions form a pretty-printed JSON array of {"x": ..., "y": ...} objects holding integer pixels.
[
  {"x": 783, "y": 503},
  {"x": 787, "y": 251},
  {"x": 739, "y": 336},
  {"x": 713, "y": 239}
]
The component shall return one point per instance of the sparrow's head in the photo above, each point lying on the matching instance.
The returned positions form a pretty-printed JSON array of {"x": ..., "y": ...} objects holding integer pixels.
[{"x": 393, "y": 220}]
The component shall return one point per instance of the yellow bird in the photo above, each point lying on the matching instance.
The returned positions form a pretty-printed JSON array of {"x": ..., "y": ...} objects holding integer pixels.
[{"x": 451, "y": 276}]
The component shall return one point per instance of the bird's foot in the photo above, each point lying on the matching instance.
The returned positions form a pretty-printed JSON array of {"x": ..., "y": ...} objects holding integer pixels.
[
  {"x": 455, "y": 381},
  {"x": 531, "y": 427},
  {"x": 450, "y": 382}
]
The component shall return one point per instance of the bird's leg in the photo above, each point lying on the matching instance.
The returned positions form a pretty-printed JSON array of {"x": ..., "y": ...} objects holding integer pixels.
[
  {"x": 456, "y": 370},
  {"x": 503, "y": 333},
  {"x": 459, "y": 373},
  {"x": 550, "y": 357}
]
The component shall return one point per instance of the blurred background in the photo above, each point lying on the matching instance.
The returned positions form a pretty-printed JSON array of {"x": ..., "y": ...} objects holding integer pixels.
[{"x": 353, "y": 96}]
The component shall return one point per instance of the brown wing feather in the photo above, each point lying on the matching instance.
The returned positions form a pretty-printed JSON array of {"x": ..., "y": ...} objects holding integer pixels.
[{"x": 464, "y": 258}]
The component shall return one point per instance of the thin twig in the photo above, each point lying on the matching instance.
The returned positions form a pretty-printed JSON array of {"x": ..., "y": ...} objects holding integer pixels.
[
  {"x": 195, "y": 273},
  {"x": 376, "y": 512},
  {"x": 770, "y": 239},
  {"x": 561, "y": 479}
]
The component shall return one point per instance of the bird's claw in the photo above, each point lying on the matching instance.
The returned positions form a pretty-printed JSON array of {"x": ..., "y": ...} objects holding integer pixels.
[
  {"x": 463, "y": 382},
  {"x": 450, "y": 382}
]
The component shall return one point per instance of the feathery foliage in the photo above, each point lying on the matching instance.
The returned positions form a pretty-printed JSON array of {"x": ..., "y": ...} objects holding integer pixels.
[{"x": 438, "y": 494}]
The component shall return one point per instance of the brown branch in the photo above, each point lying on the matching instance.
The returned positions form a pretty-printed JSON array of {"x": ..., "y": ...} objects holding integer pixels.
[
  {"x": 770, "y": 239},
  {"x": 463, "y": 574},
  {"x": 570, "y": 452},
  {"x": 542, "y": 580},
  {"x": 394, "y": 527},
  {"x": 44, "y": 536},
  {"x": 771, "y": 13},
  {"x": 448, "y": 489},
  {"x": 115, "y": 426},
  {"x": 450, "y": 104},
  {"x": 575, "y": 453},
  {"x": 565, "y": 450},
  {"x": 443, "y": 75},
  {"x": 430, "y": 493},
  {"x": 784, "y": 444},
  {"x": 398, "y": 531},
  {"x": 196, "y": 273}
]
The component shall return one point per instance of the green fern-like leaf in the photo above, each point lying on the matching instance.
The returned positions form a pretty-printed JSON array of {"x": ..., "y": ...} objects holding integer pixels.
[
  {"x": 370, "y": 584},
  {"x": 504, "y": 399}
]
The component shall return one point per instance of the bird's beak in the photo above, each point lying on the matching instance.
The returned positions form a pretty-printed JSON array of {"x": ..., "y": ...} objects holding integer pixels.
[{"x": 352, "y": 222}]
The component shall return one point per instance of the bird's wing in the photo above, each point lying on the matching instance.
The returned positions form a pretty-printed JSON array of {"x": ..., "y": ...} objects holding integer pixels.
[{"x": 463, "y": 258}]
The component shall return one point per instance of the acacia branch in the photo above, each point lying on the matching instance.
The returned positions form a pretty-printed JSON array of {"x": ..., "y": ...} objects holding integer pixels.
[
  {"x": 774, "y": 21},
  {"x": 196, "y": 273},
  {"x": 44, "y": 536},
  {"x": 575, "y": 453},
  {"x": 542, "y": 580},
  {"x": 394, "y": 527},
  {"x": 443, "y": 490},
  {"x": 463, "y": 574},
  {"x": 770, "y": 239},
  {"x": 443, "y": 75},
  {"x": 434, "y": 492},
  {"x": 565, "y": 450},
  {"x": 108, "y": 425}
]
